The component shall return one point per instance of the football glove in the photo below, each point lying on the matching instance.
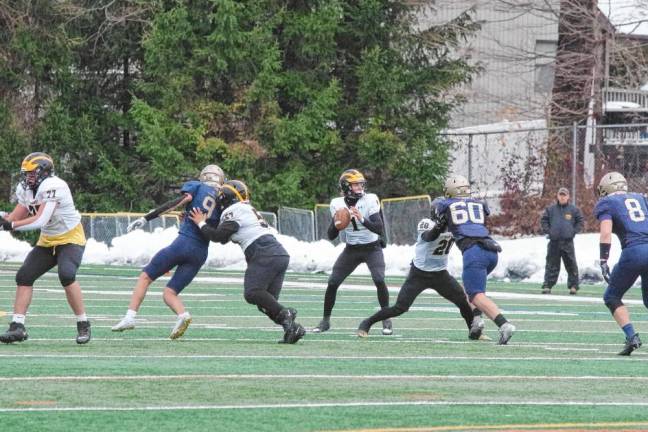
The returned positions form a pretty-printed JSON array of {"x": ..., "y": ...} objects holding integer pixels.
[
  {"x": 136, "y": 224},
  {"x": 5, "y": 225},
  {"x": 605, "y": 270}
]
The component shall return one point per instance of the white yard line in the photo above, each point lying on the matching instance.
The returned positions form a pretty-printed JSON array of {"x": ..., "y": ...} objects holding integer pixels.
[
  {"x": 615, "y": 358},
  {"x": 303, "y": 405},
  {"x": 322, "y": 376}
]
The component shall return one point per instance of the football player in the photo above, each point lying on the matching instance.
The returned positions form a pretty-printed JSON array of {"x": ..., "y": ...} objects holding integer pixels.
[
  {"x": 624, "y": 214},
  {"x": 363, "y": 244},
  {"x": 465, "y": 218},
  {"x": 45, "y": 202},
  {"x": 187, "y": 253},
  {"x": 429, "y": 270},
  {"x": 267, "y": 260}
]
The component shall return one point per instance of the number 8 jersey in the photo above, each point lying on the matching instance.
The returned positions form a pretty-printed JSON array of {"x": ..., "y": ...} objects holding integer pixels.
[
  {"x": 431, "y": 256},
  {"x": 627, "y": 211}
]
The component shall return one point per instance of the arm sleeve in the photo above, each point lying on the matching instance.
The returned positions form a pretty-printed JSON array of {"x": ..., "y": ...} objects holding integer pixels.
[
  {"x": 332, "y": 232},
  {"x": 221, "y": 234},
  {"x": 374, "y": 223},
  {"x": 45, "y": 216},
  {"x": 164, "y": 208},
  {"x": 544, "y": 221},
  {"x": 578, "y": 216},
  {"x": 434, "y": 233}
]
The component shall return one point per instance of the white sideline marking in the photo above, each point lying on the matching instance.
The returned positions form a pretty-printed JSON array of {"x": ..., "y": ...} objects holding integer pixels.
[
  {"x": 327, "y": 405},
  {"x": 357, "y": 287},
  {"x": 323, "y": 357},
  {"x": 322, "y": 376}
]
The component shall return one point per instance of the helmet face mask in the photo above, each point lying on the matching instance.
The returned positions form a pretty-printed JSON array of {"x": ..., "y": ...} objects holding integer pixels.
[
  {"x": 35, "y": 168},
  {"x": 233, "y": 191},
  {"x": 612, "y": 182},
  {"x": 456, "y": 186},
  {"x": 212, "y": 175},
  {"x": 347, "y": 182}
]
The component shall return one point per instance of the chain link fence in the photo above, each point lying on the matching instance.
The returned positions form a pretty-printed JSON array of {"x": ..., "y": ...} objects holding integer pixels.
[
  {"x": 401, "y": 215},
  {"x": 104, "y": 227},
  {"x": 298, "y": 223}
]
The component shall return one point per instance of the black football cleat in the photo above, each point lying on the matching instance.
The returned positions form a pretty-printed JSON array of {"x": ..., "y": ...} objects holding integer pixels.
[
  {"x": 16, "y": 333},
  {"x": 630, "y": 345},
  {"x": 387, "y": 329},
  {"x": 546, "y": 289},
  {"x": 323, "y": 326},
  {"x": 293, "y": 334},
  {"x": 363, "y": 329},
  {"x": 83, "y": 332}
]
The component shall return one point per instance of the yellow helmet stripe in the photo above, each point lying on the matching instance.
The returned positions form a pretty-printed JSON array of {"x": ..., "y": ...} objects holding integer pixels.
[
  {"x": 31, "y": 165},
  {"x": 233, "y": 189}
]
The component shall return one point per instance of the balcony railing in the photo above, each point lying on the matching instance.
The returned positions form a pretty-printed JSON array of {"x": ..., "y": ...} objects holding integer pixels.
[
  {"x": 622, "y": 100},
  {"x": 631, "y": 135}
]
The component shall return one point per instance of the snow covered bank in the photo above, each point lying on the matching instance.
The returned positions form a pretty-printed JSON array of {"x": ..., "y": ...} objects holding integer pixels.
[{"x": 521, "y": 259}]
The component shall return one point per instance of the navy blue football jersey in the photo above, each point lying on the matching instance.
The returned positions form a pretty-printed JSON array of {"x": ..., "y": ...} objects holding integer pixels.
[
  {"x": 628, "y": 212},
  {"x": 204, "y": 198},
  {"x": 466, "y": 217}
]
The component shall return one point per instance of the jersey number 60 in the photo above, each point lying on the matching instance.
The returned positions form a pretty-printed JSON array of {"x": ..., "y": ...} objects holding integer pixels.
[{"x": 462, "y": 212}]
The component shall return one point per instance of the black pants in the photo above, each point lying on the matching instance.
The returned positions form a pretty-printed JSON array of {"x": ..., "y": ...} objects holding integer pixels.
[
  {"x": 557, "y": 249},
  {"x": 42, "y": 259},
  {"x": 418, "y": 281},
  {"x": 350, "y": 258},
  {"x": 262, "y": 283}
]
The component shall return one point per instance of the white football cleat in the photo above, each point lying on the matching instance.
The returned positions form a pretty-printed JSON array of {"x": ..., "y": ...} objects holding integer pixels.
[
  {"x": 506, "y": 331},
  {"x": 181, "y": 326},
  {"x": 127, "y": 323}
]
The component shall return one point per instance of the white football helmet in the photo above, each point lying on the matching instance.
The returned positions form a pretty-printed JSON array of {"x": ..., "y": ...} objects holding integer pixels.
[
  {"x": 612, "y": 182},
  {"x": 212, "y": 175},
  {"x": 456, "y": 186}
]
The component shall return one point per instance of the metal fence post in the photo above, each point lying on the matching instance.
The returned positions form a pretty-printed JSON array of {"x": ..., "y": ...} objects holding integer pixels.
[
  {"x": 574, "y": 157},
  {"x": 470, "y": 138}
]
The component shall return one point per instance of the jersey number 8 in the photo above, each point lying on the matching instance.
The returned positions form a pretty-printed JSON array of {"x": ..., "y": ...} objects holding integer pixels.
[{"x": 635, "y": 211}]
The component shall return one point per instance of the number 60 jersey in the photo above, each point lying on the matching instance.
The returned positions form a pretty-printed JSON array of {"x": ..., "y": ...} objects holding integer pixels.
[
  {"x": 627, "y": 211},
  {"x": 431, "y": 256}
]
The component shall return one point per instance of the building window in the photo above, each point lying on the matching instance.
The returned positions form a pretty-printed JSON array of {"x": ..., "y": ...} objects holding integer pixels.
[{"x": 544, "y": 56}]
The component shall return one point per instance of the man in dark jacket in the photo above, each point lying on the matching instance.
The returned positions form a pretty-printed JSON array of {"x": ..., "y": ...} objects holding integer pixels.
[{"x": 561, "y": 222}]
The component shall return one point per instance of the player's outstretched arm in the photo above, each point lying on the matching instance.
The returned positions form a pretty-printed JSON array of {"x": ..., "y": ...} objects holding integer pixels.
[
  {"x": 164, "y": 208},
  {"x": 222, "y": 234},
  {"x": 433, "y": 233},
  {"x": 40, "y": 219},
  {"x": 19, "y": 212}
]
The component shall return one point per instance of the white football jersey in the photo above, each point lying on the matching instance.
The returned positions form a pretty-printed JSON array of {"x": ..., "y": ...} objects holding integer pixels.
[
  {"x": 65, "y": 216},
  {"x": 367, "y": 206},
  {"x": 251, "y": 223},
  {"x": 431, "y": 256}
]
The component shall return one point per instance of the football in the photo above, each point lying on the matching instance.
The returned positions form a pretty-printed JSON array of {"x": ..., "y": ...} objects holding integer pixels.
[{"x": 342, "y": 218}]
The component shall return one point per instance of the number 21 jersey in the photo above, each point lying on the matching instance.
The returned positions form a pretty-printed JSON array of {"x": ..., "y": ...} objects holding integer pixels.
[
  {"x": 627, "y": 211},
  {"x": 431, "y": 256}
]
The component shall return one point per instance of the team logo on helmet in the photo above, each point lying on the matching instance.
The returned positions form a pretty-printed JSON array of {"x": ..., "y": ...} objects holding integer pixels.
[
  {"x": 233, "y": 191},
  {"x": 212, "y": 175},
  {"x": 456, "y": 186},
  {"x": 349, "y": 177},
  {"x": 612, "y": 182},
  {"x": 35, "y": 168}
]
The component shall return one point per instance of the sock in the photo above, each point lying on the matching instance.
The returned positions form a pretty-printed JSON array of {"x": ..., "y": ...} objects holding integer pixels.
[
  {"x": 130, "y": 313},
  {"x": 500, "y": 320},
  {"x": 18, "y": 318},
  {"x": 629, "y": 330},
  {"x": 477, "y": 312},
  {"x": 184, "y": 315},
  {"x": 82, "y": 317}
]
